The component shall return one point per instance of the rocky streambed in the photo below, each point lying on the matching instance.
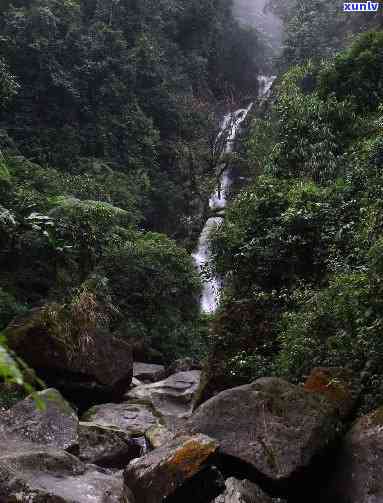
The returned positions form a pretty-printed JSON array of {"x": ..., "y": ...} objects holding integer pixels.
[{"x": 268, "y": 441}]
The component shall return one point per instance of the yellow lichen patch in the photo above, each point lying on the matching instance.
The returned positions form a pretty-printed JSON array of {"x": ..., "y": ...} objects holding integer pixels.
[{"x": 188, "y": 459}]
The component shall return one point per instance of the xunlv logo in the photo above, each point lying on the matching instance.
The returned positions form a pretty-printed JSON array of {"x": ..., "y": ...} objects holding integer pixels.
[{"x": 360, "y": 7}]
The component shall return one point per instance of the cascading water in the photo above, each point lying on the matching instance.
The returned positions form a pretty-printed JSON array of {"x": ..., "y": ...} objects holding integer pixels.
[
  {"x": 229, "y": 128},
  {"x": 265, "y": 83}
]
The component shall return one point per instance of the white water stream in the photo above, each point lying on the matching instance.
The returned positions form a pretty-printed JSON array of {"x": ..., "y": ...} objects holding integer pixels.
[{"x": 229, "y": 128}]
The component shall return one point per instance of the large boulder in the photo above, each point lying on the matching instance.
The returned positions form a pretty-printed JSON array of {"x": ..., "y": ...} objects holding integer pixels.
[
  {"x": 158, "y": 474},
  {"x": 106, "y": 446},
  {"x": 356, "y": 476},
  {"x": 46, "y": 418},
  {"x": 148, "y": 372},
  {"x": 275, "y": 427},
  {"x": 243, "y": 491},
  {"x": 171, "y": 398},
  {"x": 34, "y": 474},
  {"x": 133, "y": 419},
  {"x": 97, "y": 371}
]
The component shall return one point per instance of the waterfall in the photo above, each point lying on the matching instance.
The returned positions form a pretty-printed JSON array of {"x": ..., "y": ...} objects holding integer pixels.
[
  {"x": 265, "y": 83},
  {"x": 228, "y": 130}
]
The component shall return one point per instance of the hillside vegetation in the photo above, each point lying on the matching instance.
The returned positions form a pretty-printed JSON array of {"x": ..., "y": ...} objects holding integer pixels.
[
  {"x": 107, "y": 120},
  {"x": 191, "y": 252},
  {"x": 301, "y": 247}
]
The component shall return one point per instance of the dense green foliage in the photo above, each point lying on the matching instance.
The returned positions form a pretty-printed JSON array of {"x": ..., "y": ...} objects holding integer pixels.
[
  {"x": 317, "y": 28},
  {"x": 106, "y": 155},
  {"x": 76, "y": 244},
  {"x": 151, "y": 282},
  {"x": 301, "y": 249},
  {"x": 130, "y": 84}
]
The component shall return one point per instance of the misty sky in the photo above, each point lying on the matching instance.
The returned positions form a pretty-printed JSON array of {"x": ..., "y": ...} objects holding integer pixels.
[{"x": 251, "y": 12}]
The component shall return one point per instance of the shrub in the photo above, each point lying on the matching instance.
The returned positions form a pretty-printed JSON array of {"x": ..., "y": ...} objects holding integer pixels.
[
  {"x": 279, "y": 233},
  {"x": 311, "y": 131},
  {"x": 357, "y": 73},
  {"x": 155, "y": 286},
  {"x": 339, "y": 326}
]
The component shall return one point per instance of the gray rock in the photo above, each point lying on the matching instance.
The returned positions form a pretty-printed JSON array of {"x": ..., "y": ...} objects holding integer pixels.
[
  {"x": 106, "y": 446},
  {"x": 45, "y": 418},
  {"x": 357, "y": 474},
  {"x": 158, "y": 474},
  {"x": 134, "y": 419},
  {"x": 33, "y": 474},
  {"x": 274, "y": 426},
  {"x": 148, "y": 372},
  {"x": 91, "y": 487},
  {"x": 243, "y": 491},
  {"x": 135, "y": 382},
  {"x": 171, "y": 398}
]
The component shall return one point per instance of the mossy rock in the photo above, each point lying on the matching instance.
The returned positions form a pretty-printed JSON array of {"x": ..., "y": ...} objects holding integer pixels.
[
  {"x": 274, "y": 426},
  {"x": 98, "y": 369},
  {"x": 44, "y": 418}
]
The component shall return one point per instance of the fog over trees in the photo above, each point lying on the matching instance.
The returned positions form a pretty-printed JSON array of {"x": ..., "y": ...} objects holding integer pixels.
[{"x": 254, "y": 13}]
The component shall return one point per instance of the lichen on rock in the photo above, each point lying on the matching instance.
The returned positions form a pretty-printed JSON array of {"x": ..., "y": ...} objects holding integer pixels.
[{"x": 158, "y": 474}]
